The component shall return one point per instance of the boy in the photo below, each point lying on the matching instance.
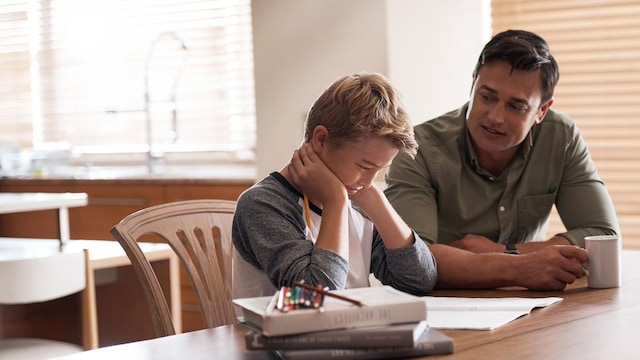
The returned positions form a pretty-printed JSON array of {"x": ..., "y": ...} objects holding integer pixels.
[{"x": 322, "y": 219}]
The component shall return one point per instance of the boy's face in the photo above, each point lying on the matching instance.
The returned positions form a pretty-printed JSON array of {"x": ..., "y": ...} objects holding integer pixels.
[{"x": 357, "y": 164}]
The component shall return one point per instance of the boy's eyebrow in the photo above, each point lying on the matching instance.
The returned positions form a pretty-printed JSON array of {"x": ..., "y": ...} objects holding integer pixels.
[{"x": 375, "y": 165}]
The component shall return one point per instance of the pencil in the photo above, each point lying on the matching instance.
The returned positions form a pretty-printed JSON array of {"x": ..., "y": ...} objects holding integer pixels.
[
  {"x": 307, "y": 211},
  {"x": 328, "y": 293}
]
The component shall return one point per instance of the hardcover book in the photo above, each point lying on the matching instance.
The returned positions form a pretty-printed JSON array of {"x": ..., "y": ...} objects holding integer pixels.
[
  {"x": 400, "y": 335},
  {"x": 433, "y": 342},
  {"x": 383, "y": 305}
]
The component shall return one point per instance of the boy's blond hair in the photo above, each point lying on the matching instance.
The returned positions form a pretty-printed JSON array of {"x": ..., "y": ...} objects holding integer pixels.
[{"x": 361, "y": 105}]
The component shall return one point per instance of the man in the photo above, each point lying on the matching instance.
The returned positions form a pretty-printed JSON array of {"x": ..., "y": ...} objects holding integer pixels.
[{"x": 487, "y": 175}]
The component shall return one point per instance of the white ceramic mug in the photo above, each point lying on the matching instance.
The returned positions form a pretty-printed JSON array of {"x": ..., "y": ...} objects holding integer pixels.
[{"x": 603, "y": 267}]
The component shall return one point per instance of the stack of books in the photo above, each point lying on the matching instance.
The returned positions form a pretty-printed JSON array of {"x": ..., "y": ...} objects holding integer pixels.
[{"x": 374, "y": 323}]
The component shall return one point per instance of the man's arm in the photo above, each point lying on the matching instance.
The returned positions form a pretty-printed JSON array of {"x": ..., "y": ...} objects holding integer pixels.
[
  {"x": 551, "y": 268},
  {"x": 525, "y": 248},
  {"x": 480, "y": 244},
  {"x": 583, "y": 202}
]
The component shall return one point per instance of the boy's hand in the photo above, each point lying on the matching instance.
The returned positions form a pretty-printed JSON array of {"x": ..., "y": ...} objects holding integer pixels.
[
  {"x": 368, "y": 199},
  {"x": 314, "y": 178}
]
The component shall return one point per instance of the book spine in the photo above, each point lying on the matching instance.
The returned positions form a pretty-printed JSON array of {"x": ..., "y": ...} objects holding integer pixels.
[
  {"x": 345, "y": 319},
  {"x": 421, "y": 349},
  {"x": 335, "y": 339}
]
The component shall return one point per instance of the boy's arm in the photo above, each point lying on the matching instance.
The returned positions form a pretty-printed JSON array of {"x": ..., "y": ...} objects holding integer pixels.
[
  {"x": 316, "y": 180},
  {"x": 394, "y": 231}
]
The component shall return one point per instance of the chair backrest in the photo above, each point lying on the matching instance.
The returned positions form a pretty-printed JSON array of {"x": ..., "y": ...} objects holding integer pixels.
[
  {"x": 39, "y": 279},
  {"x": 199, "y": 232}
]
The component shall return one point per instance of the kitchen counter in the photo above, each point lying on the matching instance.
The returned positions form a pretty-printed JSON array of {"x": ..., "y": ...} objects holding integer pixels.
[
  {"x": 227, "y": 174},
  {"x": 114, "y": 192}
]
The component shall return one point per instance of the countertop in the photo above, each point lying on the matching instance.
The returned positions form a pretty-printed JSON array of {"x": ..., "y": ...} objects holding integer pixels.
[
  {"x": 190, "y": 174},
  {"x": 21, "y": 202}
]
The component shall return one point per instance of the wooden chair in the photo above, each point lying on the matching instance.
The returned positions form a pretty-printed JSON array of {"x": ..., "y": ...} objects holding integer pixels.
[
  {"x": 199, "y": 231},
  {"x": 40, "y": 279}
]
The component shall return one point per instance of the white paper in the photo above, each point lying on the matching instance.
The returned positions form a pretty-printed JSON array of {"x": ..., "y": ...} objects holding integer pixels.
[{"x": 479, "y": 313}]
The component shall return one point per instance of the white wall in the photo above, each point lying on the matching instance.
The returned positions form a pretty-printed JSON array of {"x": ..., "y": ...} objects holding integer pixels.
[
  {"x": 426, "y": 47},
  {"x": 433, "y": 48}
]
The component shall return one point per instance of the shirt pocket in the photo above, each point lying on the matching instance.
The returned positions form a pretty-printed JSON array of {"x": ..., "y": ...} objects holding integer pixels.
[{"x": 533, "y": 213}]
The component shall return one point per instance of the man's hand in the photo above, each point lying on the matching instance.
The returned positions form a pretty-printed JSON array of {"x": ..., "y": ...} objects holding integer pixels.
[{"x": 550, "y": 268}]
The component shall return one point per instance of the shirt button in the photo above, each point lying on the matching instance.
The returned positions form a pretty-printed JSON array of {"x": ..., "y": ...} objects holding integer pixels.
[
  {"x": 491, "y": 178},
  {"x": 502, "y": 208}
]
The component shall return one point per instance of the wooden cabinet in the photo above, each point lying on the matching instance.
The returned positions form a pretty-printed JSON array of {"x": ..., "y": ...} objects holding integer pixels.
[{"x": 109, "y": 202}]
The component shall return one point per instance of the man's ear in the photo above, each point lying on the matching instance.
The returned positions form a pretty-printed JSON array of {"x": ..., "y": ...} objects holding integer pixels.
[
  {"x": 319, "y": 138},
  {"x": 543, "y": 110}
]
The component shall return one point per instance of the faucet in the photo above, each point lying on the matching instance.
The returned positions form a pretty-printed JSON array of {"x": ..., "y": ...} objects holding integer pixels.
[{"x": 154, "y": 156}]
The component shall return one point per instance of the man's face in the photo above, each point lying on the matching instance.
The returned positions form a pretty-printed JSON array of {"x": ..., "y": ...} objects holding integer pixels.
[{"x": 504, "y": 106}]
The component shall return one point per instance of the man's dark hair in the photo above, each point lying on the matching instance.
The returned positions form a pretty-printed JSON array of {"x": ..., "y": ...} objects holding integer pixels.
[{"x": 525, "y": 51}]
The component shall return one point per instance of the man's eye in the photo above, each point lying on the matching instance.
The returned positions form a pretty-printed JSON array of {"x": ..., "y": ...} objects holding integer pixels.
[
  {"x": 364, "y": 167},
  {"x": 486, "y": 97},
  {"x": 519, "y": 108}
]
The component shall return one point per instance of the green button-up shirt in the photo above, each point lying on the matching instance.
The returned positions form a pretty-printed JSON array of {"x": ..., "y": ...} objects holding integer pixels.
[{"x": 444, "y": 194}]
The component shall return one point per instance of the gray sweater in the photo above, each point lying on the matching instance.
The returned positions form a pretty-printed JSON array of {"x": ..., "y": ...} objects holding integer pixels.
[{"x": 270, "y": 234}]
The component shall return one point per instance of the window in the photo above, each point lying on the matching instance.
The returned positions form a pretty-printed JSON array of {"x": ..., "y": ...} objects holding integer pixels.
[
  {"x": 596, "y": 44},
  {"x": 89, "y": 72}
]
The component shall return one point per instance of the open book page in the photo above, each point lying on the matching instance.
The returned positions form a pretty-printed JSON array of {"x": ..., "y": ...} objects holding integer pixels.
[{"x": 479, "y": 313}]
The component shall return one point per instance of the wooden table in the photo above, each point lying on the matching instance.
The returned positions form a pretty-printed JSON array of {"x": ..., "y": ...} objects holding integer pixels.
[
  {"x": 24, "y": 202},
  {"x": 119, "y": 295},
  {"x": 587, "y": 324}
]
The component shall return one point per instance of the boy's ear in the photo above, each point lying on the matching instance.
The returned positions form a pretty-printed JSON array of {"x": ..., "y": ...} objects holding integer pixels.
[{"x": 319, "y": 138}]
